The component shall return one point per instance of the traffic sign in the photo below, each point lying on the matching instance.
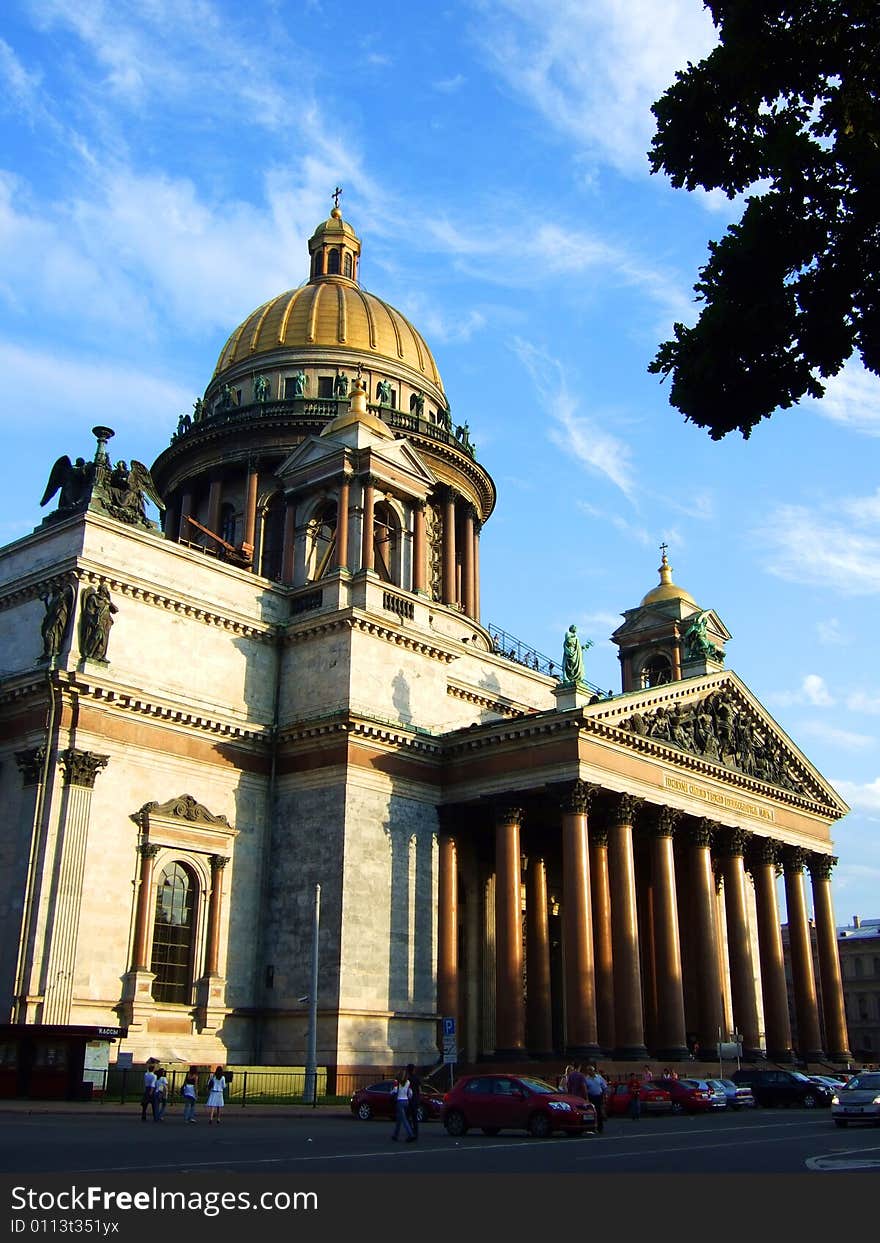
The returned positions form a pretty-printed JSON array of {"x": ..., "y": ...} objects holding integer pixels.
[{"x": 448, "y": 1027}]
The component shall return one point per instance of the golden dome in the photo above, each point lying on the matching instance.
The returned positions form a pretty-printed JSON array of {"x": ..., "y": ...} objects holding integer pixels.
[
  {"x": 331, "y": 311},
  {"x": 666, "y": 589}
]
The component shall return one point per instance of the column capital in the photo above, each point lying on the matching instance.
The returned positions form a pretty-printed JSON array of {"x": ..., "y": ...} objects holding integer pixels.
[
  {"x": 821, "y": 866},
  {"x": 218, "y": 862},
  {"x": 575, "y": 796},
  {"x": 30, "y": 765},
  {"x": 664, "y": 821},
  {"x": 624, "y": 808},
  {"x": 703, "y": 832},
  {"x": 765, "y": 850},
  {"x": 82, "y": 767},
  {"x": 598, "y": 834},
  {"x": 794, "y": 858},
  {"x": 735, "y": 842},
  {"x": 148, "y": 850},
  {"x": 508, "y": 813},
  {"x": 371, "y": 481}
]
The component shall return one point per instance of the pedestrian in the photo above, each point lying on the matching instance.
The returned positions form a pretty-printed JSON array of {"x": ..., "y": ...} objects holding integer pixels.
[
  {"x": 597, "y": 1086},
  {"x": 160, "y": 1094},
  {"x": 577, "y": 1082},
  {"x": 562, "y": 1081},
  {"x": 147, "y": 1100},
  {"x": 635, "y": 1098},
  {"x": 215, "y": 1101},
  {"x": 402, "y": 1093},
  {"x": 415, "y": 1084},
  {"x": 188, "y": 1093},
  {"x": 647, "y": 1073}
]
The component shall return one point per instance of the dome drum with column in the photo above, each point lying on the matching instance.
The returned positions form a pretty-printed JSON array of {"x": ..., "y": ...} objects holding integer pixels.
[{"x": 285, "y": 375}]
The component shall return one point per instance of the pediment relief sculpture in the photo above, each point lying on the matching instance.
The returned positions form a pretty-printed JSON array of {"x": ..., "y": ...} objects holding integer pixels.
[
  {"x": 184, "y": 807},
  {"x": 718, "y": 729}
]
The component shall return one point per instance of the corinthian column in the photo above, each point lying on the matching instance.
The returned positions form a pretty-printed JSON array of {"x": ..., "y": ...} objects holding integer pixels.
[
  {"x": 342, "y": 506},
  {"x": 671, "y": 1034},
  {"x": 580, "y": 992},
  {"x": 538, "y": 1013},
  {"x": 629, "y": 1023},
  {"x": 705, "y": 927},
  {"x": 420, "y": 565},
  {"x": 250, "y": 510},
  {"x": 742, "y": 968},
  {"x": 777, "y": 1025},
  {"x": 147, "y": 852},
  {"x": 215, "y": 907},
  {"x": 806, "y": 1006},
  {"x": 836, "y": 1036},
  {"x": 602, "y": 947},
  {"x": 467, "y": 558},
  {"x": 367, "y": 534},
  {"x": 449, "y": 592},
  {"x": 447, "y": 929},
  {"x": 510, "y": 1028}
]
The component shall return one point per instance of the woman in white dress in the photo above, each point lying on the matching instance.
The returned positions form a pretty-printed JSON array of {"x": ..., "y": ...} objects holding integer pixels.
[{"x": 215, "y": 1101}]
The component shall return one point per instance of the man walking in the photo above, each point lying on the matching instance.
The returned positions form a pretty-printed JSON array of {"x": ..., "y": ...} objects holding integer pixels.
[
  {"x": 416, "y": 1084},
  {"x": 149, "y": 1098},
  {"x": 597, "y": 1086}
]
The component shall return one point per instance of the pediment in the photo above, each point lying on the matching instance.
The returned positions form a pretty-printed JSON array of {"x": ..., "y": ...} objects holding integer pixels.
[
  {"x": 717, "y": 720},
  {"x": 653, "y": 617},
  {"x": 397, "y": 456},
  {"x": 312, "y": 450}
]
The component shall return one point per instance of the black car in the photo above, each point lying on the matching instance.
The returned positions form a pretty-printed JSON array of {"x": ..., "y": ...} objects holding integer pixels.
[{"x": 783, "y": 1087}]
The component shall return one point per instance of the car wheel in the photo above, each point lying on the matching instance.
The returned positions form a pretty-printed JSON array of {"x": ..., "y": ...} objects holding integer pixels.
[
  {"x": 364, "y": 1112},
  {"x": 491, "y": 1130},
  {"x": 539, "y": 1126},
  {"x": 421, "y": 1116},
  {"x": 839, "y": 1122},
  {"x": 810, "y": 1101},
  {"x": 677, "y": 1107},
  {"x": 455, "y": 1123}
]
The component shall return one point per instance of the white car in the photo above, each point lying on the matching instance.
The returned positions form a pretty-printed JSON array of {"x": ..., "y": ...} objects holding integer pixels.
[{"x": 858, "y": 1100}]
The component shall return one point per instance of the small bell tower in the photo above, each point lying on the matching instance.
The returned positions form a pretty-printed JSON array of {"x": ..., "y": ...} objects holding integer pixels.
[{"x": 668, "y": 636}]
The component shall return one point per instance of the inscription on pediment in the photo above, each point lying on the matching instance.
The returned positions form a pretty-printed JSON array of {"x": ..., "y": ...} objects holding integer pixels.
[{"x": 719, "y": 729}]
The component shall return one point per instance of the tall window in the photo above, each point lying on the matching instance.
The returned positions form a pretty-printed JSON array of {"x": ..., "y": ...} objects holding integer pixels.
[
  {"x": 322, "y": 541},
  {"x": 386, "y": 542},
  {"x": 172, "y": 961},
  {"x": 227, "y": 522},
  {"x": 347, "y": 263},
  {"x": 273, "y": 538},
  {"x": 333, "y": 262}
]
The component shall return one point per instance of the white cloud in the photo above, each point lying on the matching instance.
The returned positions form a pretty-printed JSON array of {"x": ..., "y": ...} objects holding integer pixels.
[
  {"x": 631, "y": 530},
  {"x": 592, "y": 68},
  {"x": 860, "y": 796},
  {"x": 815, "y": 549},
  {"x": 448, "y": 86},
  {"x": 572, "y": 431},
  {"x": 830, "y": 632},
  {"x": 861, "y": 701},
  {"x": 837, "y": 737},
  {"x": 815, "y": 691},
  {"x": 852, "y": 398}
]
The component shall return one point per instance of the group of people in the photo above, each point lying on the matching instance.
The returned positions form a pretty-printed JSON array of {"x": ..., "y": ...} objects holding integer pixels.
[
  {"x": 407, "y": 1093},
  {"x": 156, "y": 1092},
  {"x": 588, "y": 1084}
]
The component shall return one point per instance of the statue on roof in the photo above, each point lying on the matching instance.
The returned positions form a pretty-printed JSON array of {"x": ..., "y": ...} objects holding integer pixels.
[
  {"x": 96, "y": 619},
  {"x": 383, "y": 392},
  {"x": 696, "y": 638},
  {"x": 300, "y": 384},
  {"x": 59, "y": 609},
  {"x": 340, "y": 384},
  {"x": 573, "y": 656},
  {"x": 261, "y": 388},
  {"x": 122, "y": 492},
  {"x": 74, "y": 480}
]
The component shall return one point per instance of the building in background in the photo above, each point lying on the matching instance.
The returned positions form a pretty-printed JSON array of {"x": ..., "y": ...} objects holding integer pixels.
[{"x": 290, "y": 685}]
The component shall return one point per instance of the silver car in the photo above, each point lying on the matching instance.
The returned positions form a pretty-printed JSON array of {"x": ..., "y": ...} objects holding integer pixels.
[
  {"x": 858, "y": 1100},
  {"x": 717, "y": 1094},
  {"x": 739, "y": 1096}
]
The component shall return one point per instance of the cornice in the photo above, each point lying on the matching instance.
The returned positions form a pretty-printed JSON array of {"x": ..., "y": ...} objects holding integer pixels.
[
  {"x": 313, "y": 628},
  {"x": 471, "y": 696},
  {"x": 342, "y": 725}
]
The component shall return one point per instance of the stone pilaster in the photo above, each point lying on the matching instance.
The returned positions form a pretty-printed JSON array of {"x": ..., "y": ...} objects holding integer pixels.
[
  {"x": 836, "y": 1035},
  {"x": 671, "y": 1032},
  {"x": 705, "y": 948},
  {"x": 211, "y": 988},
  {"x": 510, "y": 1029},
  {"x": 809, "y": 1040},
  {"x": 600, "y": 890},
  {"x": 580, "y": 989},
  {"x": 763, "y": 861},
  {"x": 629, "y": 1023},
  {"x": 136, "y": 1003},
  {"x": 742, "y": 968},
  {"x": 539, "y": 1034}
]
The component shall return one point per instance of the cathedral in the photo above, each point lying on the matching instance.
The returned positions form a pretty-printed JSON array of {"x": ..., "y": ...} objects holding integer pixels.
[{"x": 284, "y": 688}]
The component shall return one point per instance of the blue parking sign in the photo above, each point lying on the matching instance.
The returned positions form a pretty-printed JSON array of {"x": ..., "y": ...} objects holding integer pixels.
[{"x": 449, "y": 1027}]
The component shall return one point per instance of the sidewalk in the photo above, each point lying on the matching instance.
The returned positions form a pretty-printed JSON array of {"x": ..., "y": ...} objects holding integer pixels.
[{"x": 132, "y": 1108}]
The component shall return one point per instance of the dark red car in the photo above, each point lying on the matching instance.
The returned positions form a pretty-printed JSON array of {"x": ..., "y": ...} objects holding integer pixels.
[
  {"x": 690, "y": 1096},
  {"x": 653, "y": 1099},
  {"x": 514, "y": 1103},
  {"x": 376, "y": 1101}
]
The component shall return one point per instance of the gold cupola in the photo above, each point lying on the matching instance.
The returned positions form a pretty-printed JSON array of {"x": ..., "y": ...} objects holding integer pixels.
[{"x": 666, "y": 589}]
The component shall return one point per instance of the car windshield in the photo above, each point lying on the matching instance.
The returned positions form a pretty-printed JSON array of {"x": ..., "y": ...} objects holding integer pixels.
[
  {"x": 863, "y": 1083},
  {"x": 538, "y": 1085},
  {"x": 728, "y": 1083},
  {"x": 796, "y": 1074},
  {"x": 692, "y": 1083}
]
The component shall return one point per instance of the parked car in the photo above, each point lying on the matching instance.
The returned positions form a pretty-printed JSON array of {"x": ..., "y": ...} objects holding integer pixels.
[
  {"x": 653, "y": 1100},
  {"x": 376, "y": 1101},
  {"x": 739, "y": 1096},
  {"x": 858, "y": 1100},
  {"x": 692, "y": 1096},
  {"x": 830, "y": 1081},
  {"x": 783, "y": 1087},
  {"x": 514, "y": 1103}
]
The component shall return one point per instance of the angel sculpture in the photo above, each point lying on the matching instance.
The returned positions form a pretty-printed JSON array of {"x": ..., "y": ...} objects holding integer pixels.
[
  {"x": 126, "y": 489},
  {"x": 74, "y": 479}
]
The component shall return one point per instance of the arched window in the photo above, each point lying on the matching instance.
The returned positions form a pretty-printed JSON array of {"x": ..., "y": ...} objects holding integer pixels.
[
  {"x": 322, "y": 541},
  {"x": 227, "y": 522},
  {"x": 347, "y": 264},
  {"x": 172, "y": 959},
  {"x": 386, "y": 543},
  {"x": 656, "y": 671},
  {"x": 333, "y": 262}
]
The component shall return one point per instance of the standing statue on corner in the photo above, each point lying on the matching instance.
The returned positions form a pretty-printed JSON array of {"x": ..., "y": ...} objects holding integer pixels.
[
  {"x": 95, "y": 621},
  {"x": 573, "y": 656}
]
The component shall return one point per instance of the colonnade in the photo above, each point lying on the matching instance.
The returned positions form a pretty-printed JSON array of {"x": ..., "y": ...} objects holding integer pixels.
[
  {"x": 637, "y": 888},
  {"x": 444, "y": 563}
]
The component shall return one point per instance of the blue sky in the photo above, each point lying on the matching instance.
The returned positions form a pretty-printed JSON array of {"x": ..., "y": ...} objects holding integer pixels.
[{"x": 162, "y": 165}]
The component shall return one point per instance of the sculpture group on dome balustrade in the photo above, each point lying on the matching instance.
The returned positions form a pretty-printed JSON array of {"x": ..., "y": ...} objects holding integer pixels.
[
  {"x": 716, "y": 729},
  {"x": 119, "y": 490}
]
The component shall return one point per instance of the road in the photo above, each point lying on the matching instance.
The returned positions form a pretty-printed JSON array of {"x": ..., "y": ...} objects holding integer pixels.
[{"x": 763, "y": 1141}]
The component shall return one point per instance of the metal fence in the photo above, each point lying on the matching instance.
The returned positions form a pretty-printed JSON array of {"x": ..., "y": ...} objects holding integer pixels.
[{"x": 245, "y": 1087}]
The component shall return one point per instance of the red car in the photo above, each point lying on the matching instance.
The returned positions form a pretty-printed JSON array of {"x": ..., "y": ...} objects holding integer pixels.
[
  {"x": 376, "y": 1101},
  {"x": 690, "y": 1096},
  {"x": 654, "y": 1100},
  {"x": 514, "y": 1103}
]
